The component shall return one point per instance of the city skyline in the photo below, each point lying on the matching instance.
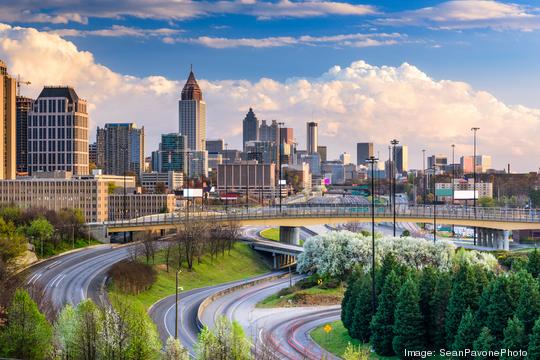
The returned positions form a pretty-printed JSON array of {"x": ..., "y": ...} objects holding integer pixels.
[{"x": 379, "y": 97}]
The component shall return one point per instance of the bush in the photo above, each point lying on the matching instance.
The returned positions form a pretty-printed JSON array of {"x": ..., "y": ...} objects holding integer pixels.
[
  {"x": 331, "y": 283},
  {"x": 132, "y": 277},
  {"x": 286, "y": 291}
]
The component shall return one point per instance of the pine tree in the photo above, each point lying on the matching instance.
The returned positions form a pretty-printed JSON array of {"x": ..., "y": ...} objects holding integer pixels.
[
  {"x": 438, "y": 305},
  {"x": 347, "y": 303},
  {"x": 533, "y": 265},
  {"x": 533, "y": 351},
  {"x": 466, "y": 333},
  {"x": 389, "y": 263},
  {"x": 528, "y": 305},
  {"x": 484, "y": 343},
  {"x": 499, "y": 309},
  {"x": 408, "y": 322},
  {"x": 363, "y": 311},
  {"x": 483, "y": 304},
  {"x": 382, "y": 324},
  {"x": 428, "y": 282},
  {"x": 514, "y": 338}
]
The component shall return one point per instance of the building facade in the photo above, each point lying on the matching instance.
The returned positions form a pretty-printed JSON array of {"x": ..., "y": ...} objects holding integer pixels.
[
  {"x": 322, "y": 150},
  {"x": 24, "y": 106},
  {"x": 123, "y": 149},
  {"x": 170, "y": 181},
  {"x": 262, "y": 151},
  {"x": 250, "y": 127},
  {"x": 215, "y": 146},
  {"x": 250, "y": 177},
  {"x": 444, "y": 190},
  {"x": 269, "y": 132},
  {"x": 8, "y": 159},
  {"x": 138, "y": 205},
  {"x": 58, "y": 132},
  {"x": 363, "y": 152},
  {"x": 402, "y": 158},
  {"x": 192, "y": 114},
  {"x": 312, "y": 136},
  {"x": 172, "y": 153},
  {"x": 286, "y": 135}
]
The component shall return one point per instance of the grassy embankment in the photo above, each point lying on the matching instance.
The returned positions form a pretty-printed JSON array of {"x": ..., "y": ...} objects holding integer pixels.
[{"x": 271, "y": 234}]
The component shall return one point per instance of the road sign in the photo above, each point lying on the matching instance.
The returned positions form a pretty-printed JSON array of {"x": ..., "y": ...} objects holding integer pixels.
[{"x": 327, "y": 328}]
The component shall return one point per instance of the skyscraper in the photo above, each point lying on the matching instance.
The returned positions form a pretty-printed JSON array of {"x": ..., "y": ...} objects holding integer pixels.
[
  {"x": 402, "y": 158},
  {"x": 123, "y": 149},
  {"x": 250, "y": 127},
  {"x": 312, "y": 137},
  {"x": 172, "y": 153},
  {"x": 7, "y": 127},
  {"x": 192, "y": 114},
  {"x": 58, "y": 132},
  {"x": 322, "y": 150},
  {"x": 269, "y": 132},
  {"x": 24, "y": 106},
  {"x": 363, "y": 152},
  {"x": 286, "y": 135},
  {"x": 214, "y": 146}
]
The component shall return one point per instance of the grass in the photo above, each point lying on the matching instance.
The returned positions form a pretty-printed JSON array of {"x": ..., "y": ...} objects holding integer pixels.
[
  {"x": 276, "y": 300},
  {"x": 336, "y": 341},
  {"x": 63, "y": 246},
  {"x": 271, "y": 234},
  {"x": 240, "y": 264}
]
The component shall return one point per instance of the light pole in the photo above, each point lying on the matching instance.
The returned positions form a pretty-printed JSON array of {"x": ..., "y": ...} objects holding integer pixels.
[
  {"x": 474, "y": 130},
  {"x": 176, "y": 306},
  {"x": 394, "y": 143},
  {"x": 453, "y": 181},
  {"x": 424, "y": 174},
  {"x": 434, "y": 206},
  {"x": 124, "y": 162},
  {"x": 390, "y": 171},
  {"x": 372, "y": 160},
  {"x": 280, "y": 124}
]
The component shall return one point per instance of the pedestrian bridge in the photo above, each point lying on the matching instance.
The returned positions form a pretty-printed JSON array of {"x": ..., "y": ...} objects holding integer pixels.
[{"x": 307, "y": 214}]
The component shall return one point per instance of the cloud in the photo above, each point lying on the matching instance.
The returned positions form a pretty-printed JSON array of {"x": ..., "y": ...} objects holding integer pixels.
[
  {"x": 348, "y": 40},
  {"x": 469, "y": 14},
  {"x": 118, "y": 31},
  {"x": 79, "y": 11},
  {"x": 358, "y": 102}
]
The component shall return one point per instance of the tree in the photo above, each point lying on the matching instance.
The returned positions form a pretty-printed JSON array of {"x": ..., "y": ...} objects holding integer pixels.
[
  {"x": 484, "y": 343},
  {"x": 408, "y": 324},
  {"x": 226, "y": 341},
  {"x": 382, "y": 324},
  {"x": 174, "y": 350},
  {"x": 486, "y": 201},
  {"x": 514, "y": 338},
  {"x": 41, "y": 230},
  {"x": 362, "y": 312},
  {"x": 533, "y": 265},
  {"x": 438, "y": 304},
  {"x": 348, "y": 302},
  {"x": 27, "y": 334},
  {"x": 428, "y": 282},
  {"x": 528, "y": 305},
  {"x": 534, "y": 342},
  {"x": 466, "y": 333},
  {"x": 500, "y": 308},
  {"x": 65, "y": 332},
  {"x": 355, "y": 353},
  {"x": 389, "y": 263},
  {"x": 160, "y": 188},
  {"x": 88, "y": 328}
]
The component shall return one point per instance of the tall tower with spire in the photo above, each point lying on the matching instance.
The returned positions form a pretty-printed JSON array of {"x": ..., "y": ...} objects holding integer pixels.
[
  {"x": 250, "y": 127},
  {"x": 192, "y": 114}
]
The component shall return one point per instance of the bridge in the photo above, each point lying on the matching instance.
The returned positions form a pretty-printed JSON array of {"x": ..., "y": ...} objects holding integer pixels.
[{"x": 494, "y": 223}]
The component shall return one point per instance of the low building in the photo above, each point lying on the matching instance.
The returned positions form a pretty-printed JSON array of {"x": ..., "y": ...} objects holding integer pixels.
[
  {"x": 136, "y": 205},
  {"x": 298, "y": 176},
  {"x": 170, "y": 181},
  {"x": 248, "y": 176},
  {"x": 462, "y": 187}
]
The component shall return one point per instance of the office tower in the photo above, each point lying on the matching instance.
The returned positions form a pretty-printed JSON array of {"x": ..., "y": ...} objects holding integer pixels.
[
  {"x": 123, "y": 147},
  {"x": 483, "y": 163},
  {"x": 314, "y": 161},
  {"x": 8, "y": 126},
  {"x": 322, "y": 151},
  {"x": 363, "y": 151},
  {"x": 286, "y": 135},
  {"x": 198, "y": 163},
  {"x": 192, "y": 114},
  {"x": 250, "y": 127},
  {"x": 345, "y": 158},
  {"x": 58, "y": 132},
  {"x": 93, "y": 153},
  {"x": 312, "y": 137},
  {"x": 172, "y": 153},
  {"x": 214, "y": 146},
  {"x": 437, "y": 161},
  {"x": 269, "y": 132},
  {"x": 24, "y": 106},
  {"x": 402, "y": 158},
  {"x": 240, "y": 177},
  {"x": 265, "y": 152}
]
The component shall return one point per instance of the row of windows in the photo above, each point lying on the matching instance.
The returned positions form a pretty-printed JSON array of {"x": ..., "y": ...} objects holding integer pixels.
[{"x": 50, "y": 105}]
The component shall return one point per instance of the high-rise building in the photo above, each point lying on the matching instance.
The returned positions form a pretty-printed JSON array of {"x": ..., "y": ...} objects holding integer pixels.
[
  {"x": 437, "y": 161},
  {"x": 345, "y": 158},
  {"x": 198, "y": 163},
  {"x": 58, "y": 132},
  {"x": 312, "y": 137},
  {"x": 269, "y": 132},
  {"x": 363, "y": 151},
  {"x": 259, "y": 180},
  {"x": 322, "y": 150},
  {"x": 172, "y": 153},
  {"x": 286, "y": 135},
  {"x": 483, "y": 163},
  {"x": 214, "y": 146},
  {"x": 123, "y": 146},
  {"x": 250, "y": 127},
  {"x": 192, "y": 114},
  {"x": 402, "y": 158},
  {"x": 265, "y": 152},
  {"x": 93, "y": 153},
  {"x": 8, "y": 111},
  {"x": 24, "y": 106}
]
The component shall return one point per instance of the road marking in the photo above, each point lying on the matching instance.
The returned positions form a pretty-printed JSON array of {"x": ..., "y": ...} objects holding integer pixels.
[
  {"x": 34, "y": 278},
  {"x": 56, "y": 263}
]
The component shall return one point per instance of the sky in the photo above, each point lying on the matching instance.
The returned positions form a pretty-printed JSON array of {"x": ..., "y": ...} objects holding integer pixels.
[{"x": 423, "y": 72}]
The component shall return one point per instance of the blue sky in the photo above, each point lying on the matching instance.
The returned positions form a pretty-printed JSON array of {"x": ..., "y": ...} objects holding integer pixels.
[{"x": 492, "y": 46}]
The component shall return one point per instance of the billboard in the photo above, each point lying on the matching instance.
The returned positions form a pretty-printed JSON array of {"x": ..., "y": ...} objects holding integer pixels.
[
  {"x": 192, "y": 193},
  {"x": 465, "y": 194}
]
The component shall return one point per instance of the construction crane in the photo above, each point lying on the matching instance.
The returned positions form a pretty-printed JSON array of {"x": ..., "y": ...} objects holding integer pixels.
[{"x": 19, "y": 83}]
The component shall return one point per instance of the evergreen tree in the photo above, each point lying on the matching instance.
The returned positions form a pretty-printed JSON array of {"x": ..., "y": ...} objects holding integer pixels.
[
  {"x": 408, "y": 323},
  {"x": 466, "y": 333},
  {"x": 528, "y": 305},
  {"x": 27, "y": 334},
  {"x": 382, "y": 324},
  {"x": 348, "y": 302},
  {"x": 514, "y": 338},
  {"x": 363, "y": 311},
  {"x": 428, "y": 282},
  {"x": 438, "y": 305},
  {"x": 484, "y": 343},
  {"x": 483, "y": 304},
  {"x": 499, "y": 309},
  {"x": 533, "y": 351},
  {"x": 388, "y": 264},
  {"x": 533, "y": 265}
]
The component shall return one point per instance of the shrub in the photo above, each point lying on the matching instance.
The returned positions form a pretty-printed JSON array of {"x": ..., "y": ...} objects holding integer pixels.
[{"x": 132, "y": 277}]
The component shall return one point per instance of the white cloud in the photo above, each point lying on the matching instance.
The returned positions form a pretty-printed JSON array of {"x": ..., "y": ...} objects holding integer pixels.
[
  {"x": 349, "y": 40},
  {"x": 79, "y": 11},
  {"x": 118, "y": 31},
  {"x": 359, "y": 102},
  {"x": 469, "y": 14}
]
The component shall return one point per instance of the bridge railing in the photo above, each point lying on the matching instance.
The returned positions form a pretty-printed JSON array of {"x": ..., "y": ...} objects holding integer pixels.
[{"x": 353, "y": 211}]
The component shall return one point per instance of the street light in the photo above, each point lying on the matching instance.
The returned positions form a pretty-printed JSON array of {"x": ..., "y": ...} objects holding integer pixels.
[
  {"x": 394, "y": 143},
  {"x": 453, "y": 181},
  {"x": 372, "y": 160},
  {"x": 424, "y": 174},
  {"x": 434, "y": 206},
  {"x": 123, "y": 148},
  {"x": 474, "y": 130},
  {"x": 176, "y": 305}
]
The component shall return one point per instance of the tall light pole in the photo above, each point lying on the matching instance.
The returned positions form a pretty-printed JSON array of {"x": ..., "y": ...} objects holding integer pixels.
[
  {"x": 394, "y": 143},
  {"x": 474, "y": 130},
  {"x": 434, "y": 206},
  {"x": 424, "y": 174},
  {"x": 453, "y": 180},
  {"x": 372, "y": 160},
  {"x": 125, "y": 159},
  {"x": 390, "y": 171},
  {"x": 176, "y": 306}
]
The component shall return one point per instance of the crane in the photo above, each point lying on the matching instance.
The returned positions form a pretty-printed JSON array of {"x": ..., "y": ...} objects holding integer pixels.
[{"x": 19, "y": 83}]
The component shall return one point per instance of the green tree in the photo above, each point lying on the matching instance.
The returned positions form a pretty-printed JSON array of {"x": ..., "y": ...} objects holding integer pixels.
[
  {"x": 388, "y": 264},
  {"x": 428, "y": 282},
  {"x": 143, "y": 343},
  {"x": 528, "y": 305},
  {"x": 408, "y": 322},
  {"x": 382, "y": 323},
  {"x": 438, "y": 304},
  {"x": 226, "y": 341},
  {"x": 514, "y": 338},
  {"x": 363, "y": 310},
  {"x": 533, "y": 265},
  {"x": 349, "y": 300},
  {"x": 355, "y": 353},
  {"x": 65, "y": 331},
  {"x": 500, "y": 308},
  {"x": 484, "y": 343},
  {"x": 486, "y": 201},
  {"x": 534, "y": 342},
  {"x": 27, "y": 334},
  {"x": 40, "y": 230},
  {"x": 466, "y": 333},
  {"x": 174, "y": 350}
]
